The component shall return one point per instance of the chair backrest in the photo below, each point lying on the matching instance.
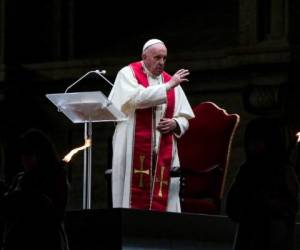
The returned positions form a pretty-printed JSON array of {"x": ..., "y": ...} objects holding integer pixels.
[{"x": 204, "y": 152}]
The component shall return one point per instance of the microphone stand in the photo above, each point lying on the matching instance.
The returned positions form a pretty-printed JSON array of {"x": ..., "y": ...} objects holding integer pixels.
[
  {"x": 98, "y": 72},
  {"x": 87, "y": 166}
]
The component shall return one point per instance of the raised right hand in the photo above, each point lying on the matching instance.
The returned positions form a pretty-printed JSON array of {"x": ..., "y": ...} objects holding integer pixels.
[{"x": 177, "y": 78}]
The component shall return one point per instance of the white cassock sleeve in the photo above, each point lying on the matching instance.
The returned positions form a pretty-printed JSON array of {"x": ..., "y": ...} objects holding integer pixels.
[
  {"x": 127, "y": 95},
  {"x": 183, "y": 111}
]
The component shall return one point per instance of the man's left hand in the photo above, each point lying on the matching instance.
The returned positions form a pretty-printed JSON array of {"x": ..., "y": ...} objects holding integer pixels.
[{"x": 166, "y": 125}]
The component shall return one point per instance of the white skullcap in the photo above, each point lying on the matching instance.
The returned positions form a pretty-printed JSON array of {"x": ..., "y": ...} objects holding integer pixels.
[{"x": 151, "y": 42}]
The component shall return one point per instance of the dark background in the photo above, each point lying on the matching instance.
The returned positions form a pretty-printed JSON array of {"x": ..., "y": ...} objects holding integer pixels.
[{"x": 242, "y": 54}]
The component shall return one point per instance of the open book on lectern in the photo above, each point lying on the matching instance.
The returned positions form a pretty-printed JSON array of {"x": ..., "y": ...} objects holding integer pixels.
[{"x": 81, "y": 107}]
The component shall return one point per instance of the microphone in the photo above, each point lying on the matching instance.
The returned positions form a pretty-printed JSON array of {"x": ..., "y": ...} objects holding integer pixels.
[
  {"x": 101, "y": 73},
  {"x": 98, "y": 72}
]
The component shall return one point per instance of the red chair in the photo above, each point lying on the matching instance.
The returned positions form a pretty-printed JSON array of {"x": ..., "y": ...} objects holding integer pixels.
[{"x": 204, "y": 153}]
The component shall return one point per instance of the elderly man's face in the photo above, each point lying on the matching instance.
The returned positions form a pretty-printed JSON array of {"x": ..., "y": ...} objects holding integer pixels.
[{"x": 155, "y": 58}]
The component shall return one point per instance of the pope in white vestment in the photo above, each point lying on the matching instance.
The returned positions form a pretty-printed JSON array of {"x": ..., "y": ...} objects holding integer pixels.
[{"x": 128, "y": 96}]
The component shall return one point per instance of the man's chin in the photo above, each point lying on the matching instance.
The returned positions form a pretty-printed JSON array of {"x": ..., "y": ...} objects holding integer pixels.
[{"x": 158, "y": 72}]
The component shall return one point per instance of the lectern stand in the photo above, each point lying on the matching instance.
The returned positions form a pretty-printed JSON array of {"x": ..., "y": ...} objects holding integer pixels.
[{"x": 86, "y": 107}]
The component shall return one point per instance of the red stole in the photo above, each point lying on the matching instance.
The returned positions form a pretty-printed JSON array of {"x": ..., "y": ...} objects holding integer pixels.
[{"x": 150, "y": 184}]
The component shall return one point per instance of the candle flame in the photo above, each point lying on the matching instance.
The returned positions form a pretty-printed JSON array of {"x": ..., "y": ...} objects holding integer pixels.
[
  {"x": 69, "y": 156},
  {"x": 298, "y": 136}
]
